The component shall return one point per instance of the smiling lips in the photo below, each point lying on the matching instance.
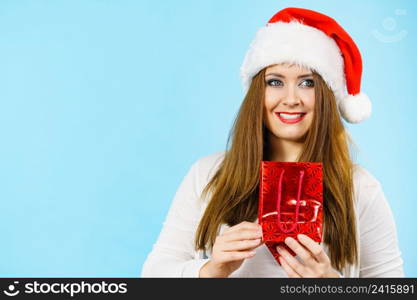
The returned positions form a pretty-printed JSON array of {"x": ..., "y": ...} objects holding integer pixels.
[{"x": 290, "y": 118}]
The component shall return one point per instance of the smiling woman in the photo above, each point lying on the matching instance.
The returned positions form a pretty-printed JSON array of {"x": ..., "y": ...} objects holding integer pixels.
[
  {"x": 302, "y": 75},
  {"x": 289, "y": 98}
]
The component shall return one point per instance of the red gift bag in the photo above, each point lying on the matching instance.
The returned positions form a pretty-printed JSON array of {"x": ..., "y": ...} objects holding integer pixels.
[{"x": 290, "y": 202}]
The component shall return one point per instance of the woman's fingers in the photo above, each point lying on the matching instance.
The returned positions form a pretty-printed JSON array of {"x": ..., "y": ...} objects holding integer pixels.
[
  {"x": 292, "y": 261},
  {"x": 244, "y": 234},
  {"x": 243, "y": 225},
  {"x": 226, "y": 257},
  {"x": 241, "y": 245},
  {"x": 238, "y": 242},
  {"x": 242, "y": 231},
  {"x": 301, "y": 251},
  {"x": 316, "y": 263},
  {"x": 288, "y": 269},
  {"x": 315, "y": 249}
]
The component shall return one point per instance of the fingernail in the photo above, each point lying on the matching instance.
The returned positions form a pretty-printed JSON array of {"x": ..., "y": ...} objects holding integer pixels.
[
  {"x": 279, "y": 249},
  {"x": 289, "y": 240}
]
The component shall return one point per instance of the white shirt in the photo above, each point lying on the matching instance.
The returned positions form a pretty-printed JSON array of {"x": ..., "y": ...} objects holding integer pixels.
[{"x": 173, "y": 254}]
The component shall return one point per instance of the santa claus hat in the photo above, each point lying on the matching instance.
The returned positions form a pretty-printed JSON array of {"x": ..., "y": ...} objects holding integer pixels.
[{"x": 315, "y": 41}]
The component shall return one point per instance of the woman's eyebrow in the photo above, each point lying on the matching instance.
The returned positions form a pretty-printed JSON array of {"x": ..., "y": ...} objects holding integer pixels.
[{"x": 282, "y": 76}]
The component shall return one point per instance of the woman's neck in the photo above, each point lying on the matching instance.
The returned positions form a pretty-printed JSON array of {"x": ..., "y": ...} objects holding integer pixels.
[{"x": 283, "y": 150}]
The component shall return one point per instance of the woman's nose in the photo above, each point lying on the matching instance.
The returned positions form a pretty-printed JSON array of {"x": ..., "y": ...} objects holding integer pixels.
[{"x": 291, "y": 98}]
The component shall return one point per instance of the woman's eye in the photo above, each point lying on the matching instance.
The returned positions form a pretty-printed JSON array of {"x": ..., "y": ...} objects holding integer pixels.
[
  {"x": 274, "y": 82},
  {"x": 307, "y": 83}
]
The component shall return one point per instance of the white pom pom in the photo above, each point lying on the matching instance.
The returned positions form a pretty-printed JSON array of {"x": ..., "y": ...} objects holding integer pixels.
[{"x": 355, "y": 108}]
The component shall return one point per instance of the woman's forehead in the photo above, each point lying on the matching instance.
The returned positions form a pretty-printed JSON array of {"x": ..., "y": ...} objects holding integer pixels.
[{"x": 287, "y": 68}]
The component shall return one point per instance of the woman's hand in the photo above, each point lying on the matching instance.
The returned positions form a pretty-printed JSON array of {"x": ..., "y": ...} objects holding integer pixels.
[
  {"x": 316, "y": 261},
  {"x": 231, "y": 248}
]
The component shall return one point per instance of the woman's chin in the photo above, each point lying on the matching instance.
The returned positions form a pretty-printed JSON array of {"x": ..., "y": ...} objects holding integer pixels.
[{"x": 292, "y": 136}]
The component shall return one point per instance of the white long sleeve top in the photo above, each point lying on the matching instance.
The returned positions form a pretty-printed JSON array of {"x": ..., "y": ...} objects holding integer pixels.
[{"x": 173, "y": 254}]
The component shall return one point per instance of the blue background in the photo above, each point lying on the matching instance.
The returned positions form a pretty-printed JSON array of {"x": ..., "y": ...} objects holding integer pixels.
[{"x": 104, "y": 106}]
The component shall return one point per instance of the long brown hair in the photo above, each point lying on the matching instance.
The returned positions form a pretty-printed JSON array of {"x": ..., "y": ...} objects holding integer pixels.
[{"x": 234, "y": 187}]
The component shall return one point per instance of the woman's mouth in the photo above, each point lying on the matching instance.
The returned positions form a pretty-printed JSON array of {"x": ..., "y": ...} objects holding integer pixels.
[{"x": 290, "y": 118}]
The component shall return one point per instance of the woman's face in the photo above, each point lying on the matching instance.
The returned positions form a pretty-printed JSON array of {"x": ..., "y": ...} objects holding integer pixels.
[{"x": 289, "y": 101}]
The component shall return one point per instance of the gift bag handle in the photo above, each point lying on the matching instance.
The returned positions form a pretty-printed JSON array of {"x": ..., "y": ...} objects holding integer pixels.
[{"x": 297, "y": 206}]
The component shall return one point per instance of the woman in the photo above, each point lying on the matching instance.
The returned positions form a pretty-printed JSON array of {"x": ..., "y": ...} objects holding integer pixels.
[{"x": 302, "y": 74}]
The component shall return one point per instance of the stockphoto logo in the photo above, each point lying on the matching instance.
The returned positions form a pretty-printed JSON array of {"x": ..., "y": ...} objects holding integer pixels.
[
  {"x": 72, "y": 289},
  {"x": 11, "y": 289}
]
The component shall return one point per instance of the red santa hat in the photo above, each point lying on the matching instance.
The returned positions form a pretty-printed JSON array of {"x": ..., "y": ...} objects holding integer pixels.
[{"x": 317, "y": 42}]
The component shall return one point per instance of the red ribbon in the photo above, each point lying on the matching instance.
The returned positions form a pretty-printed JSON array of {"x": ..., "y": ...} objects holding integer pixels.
[{"x": 297, "y": 206}]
